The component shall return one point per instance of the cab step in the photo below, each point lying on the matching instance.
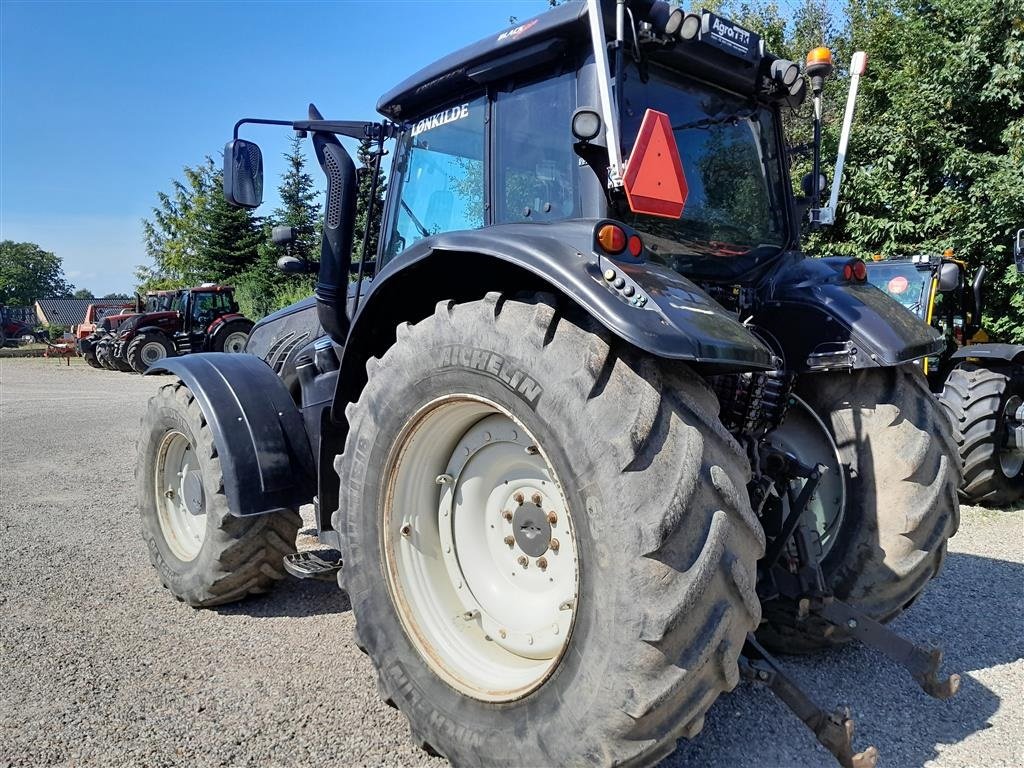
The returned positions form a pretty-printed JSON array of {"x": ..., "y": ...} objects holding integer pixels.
[{"x": 322, "y": 564}]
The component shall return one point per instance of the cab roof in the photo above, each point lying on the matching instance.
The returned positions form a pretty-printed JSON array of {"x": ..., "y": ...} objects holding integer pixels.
[{"x": 543, "y": 36}]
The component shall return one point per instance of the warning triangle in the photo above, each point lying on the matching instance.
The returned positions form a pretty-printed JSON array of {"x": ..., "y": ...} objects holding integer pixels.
[{"x": 654, "y": 179}]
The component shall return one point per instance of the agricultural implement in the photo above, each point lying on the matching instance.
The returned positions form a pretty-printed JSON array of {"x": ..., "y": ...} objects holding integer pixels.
[
  {"x": 980, "y": 383},
  {"x": 589, "y": 438}
]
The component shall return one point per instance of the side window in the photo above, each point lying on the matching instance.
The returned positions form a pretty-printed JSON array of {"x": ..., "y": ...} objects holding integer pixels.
[
  {"x": 441, "y": 172},
  {"x": 535, "y": 166}
]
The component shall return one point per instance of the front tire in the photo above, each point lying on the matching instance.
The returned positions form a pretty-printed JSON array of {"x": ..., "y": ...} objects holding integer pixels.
[
  {"x": 147, "y": 349},
  {"x": 982, "y": 405},
  {"x": 627, "y": 457},
  {"x": 205, "y": 555},
  {"x": 901, "y": 474}
]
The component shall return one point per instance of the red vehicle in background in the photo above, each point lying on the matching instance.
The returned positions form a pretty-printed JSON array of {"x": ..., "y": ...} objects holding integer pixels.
[
  {"x": 14, "y": 332},
  {"x": 96, "y": 312},
  {"x": 96, "y": 346},
  {"x": 200, "y": 319}
]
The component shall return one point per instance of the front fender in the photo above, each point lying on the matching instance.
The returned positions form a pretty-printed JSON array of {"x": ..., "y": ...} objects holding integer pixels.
[
  {"x": 989, "y": 352},
  {"x": 261, "y": 442},
  {"x": 821, "y": 322}
]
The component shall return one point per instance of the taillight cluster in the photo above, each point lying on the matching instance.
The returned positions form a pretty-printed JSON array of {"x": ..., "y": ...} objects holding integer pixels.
[
  {"x": 613, "y": 240},
  {"x": 855, "y": 271}
]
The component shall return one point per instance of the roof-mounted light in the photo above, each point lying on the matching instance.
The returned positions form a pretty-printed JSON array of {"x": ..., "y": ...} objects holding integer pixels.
[
  {"x": 818, "y": 65},
  {"x": 690, "y": 27}
]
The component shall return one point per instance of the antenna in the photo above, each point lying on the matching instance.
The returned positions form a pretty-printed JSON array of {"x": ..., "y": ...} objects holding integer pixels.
[{"x": 858, "y": 65}]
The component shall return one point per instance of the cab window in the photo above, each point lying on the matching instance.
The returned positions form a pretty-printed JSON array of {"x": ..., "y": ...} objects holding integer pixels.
[
  {"x": 440, "y": 175},
  {"x": 535, "y": 170}
]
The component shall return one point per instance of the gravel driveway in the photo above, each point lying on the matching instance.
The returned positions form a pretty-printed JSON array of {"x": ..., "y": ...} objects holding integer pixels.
[{"x": 101, "y": 667}]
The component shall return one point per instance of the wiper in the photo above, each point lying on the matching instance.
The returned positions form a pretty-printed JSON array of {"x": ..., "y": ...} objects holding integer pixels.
[
  {"x": 732, "y": 117},
  {"x": 416, "y": 222}
]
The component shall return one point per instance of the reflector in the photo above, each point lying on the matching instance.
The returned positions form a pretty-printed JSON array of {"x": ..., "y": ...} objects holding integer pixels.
[
  {"x": 654, "y": 180},
  {"x": 636, "y": 246}
]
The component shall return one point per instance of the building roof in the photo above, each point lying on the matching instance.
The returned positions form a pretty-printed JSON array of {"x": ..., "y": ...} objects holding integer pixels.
[{"x": 69, "y": 312}]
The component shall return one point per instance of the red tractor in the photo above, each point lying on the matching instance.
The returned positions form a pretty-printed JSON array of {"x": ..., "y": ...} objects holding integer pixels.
[
  {"x": 200, "y": 319},
  {"x": 97, "y": 347},
  {"x": 93, "y": 328}
]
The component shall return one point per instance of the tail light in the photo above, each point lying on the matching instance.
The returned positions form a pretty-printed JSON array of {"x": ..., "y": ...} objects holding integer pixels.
[
  {"x": 855, "y": 271},
  {"x": 612, "y": 238}
]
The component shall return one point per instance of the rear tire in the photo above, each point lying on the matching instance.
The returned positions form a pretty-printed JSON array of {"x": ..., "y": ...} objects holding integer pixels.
[
  {"x": 901, "y": 503},
  {"x": 981, "y": 404},
  {"x": 90, "y": 358},
  {"x": 661, "y": 526},
  {"x": 205, "y": 555}
]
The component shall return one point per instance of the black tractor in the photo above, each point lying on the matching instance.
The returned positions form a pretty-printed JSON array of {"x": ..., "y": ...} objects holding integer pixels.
[
  {"x": 980, "y": 383},
  {"x": 589, "y": 436}
]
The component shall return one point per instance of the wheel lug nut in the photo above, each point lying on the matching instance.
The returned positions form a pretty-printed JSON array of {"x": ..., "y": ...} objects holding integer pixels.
[
  {"x": 554, "y": 545},
  {"x": 507, "y": 515},
  {"x": 552, "y": 518},
  {"x": 535, "y": 499},
  {"x": 406, "y": 529},
  {"x": 510, "y": 540},
  {"x": 519, "y": 498},
  {"x": 542, "y": 563},
  {"x": 523, "y": 561}
]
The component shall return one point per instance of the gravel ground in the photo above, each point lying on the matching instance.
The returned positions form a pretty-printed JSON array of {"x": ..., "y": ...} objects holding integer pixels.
[{"x": 100, "y": 667}]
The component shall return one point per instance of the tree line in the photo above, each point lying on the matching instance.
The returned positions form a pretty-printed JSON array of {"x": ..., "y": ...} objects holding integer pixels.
[
  {"x": 195, "y": 235},
  {"x": 27, "y": 273}
]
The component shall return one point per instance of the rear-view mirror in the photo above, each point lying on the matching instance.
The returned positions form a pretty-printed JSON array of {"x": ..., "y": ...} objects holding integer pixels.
[
  {"x": 243, "y": 173},
  {"x": 1018, "y": 251},
  {"x": 949, "y": 276}
]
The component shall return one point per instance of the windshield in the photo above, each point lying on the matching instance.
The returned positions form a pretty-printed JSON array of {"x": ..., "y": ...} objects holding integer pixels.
[
  {"x": 906, "y": 283},
  {"x": 736, "y": 211}
]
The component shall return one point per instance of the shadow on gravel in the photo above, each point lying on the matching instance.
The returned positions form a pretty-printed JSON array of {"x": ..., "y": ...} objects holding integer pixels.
[
  {"x": 296, "y": 598},
  {"x": 974, "y": 611}
]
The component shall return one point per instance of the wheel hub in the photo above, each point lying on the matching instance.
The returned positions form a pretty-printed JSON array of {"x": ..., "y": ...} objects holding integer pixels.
[
  {"x": 531, "y": 529},
  {"x": 192, "y": 491},
  {"x": 153, "y": 352}
]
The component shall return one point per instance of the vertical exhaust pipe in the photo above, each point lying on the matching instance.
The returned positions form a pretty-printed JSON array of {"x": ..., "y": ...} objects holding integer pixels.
[{"x": 336, "y": 245}]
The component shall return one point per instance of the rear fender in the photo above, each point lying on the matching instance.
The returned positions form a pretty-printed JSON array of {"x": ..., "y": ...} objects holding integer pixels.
[
  {"x": 653, "y": 308},
  {"x": 257, "y": 429},
  {"x": 819, "y": 322}
]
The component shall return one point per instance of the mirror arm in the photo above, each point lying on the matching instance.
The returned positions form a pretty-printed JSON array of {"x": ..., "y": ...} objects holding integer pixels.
[
  {"x": 258, "y": 121},
  {"x": 355, "y": 129}
]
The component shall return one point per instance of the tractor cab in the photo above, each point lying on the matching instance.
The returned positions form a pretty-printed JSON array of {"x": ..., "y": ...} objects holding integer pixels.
[{"x": 198, "y": 311}]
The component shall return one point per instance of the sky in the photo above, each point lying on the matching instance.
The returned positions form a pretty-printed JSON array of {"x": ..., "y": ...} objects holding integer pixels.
[{"x": 103, "y": 103}]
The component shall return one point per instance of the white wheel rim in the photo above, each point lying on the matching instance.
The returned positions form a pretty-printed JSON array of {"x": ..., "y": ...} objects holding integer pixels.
[
  {"x": 235, "y": 342},
  {"x": 179, "y": 492},
  {"x": 805, "y": 436},
  {"x": 1011, "y": 460},
  {"x": 487, "y": 625},
  {"x": 152, "y": 352}
]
